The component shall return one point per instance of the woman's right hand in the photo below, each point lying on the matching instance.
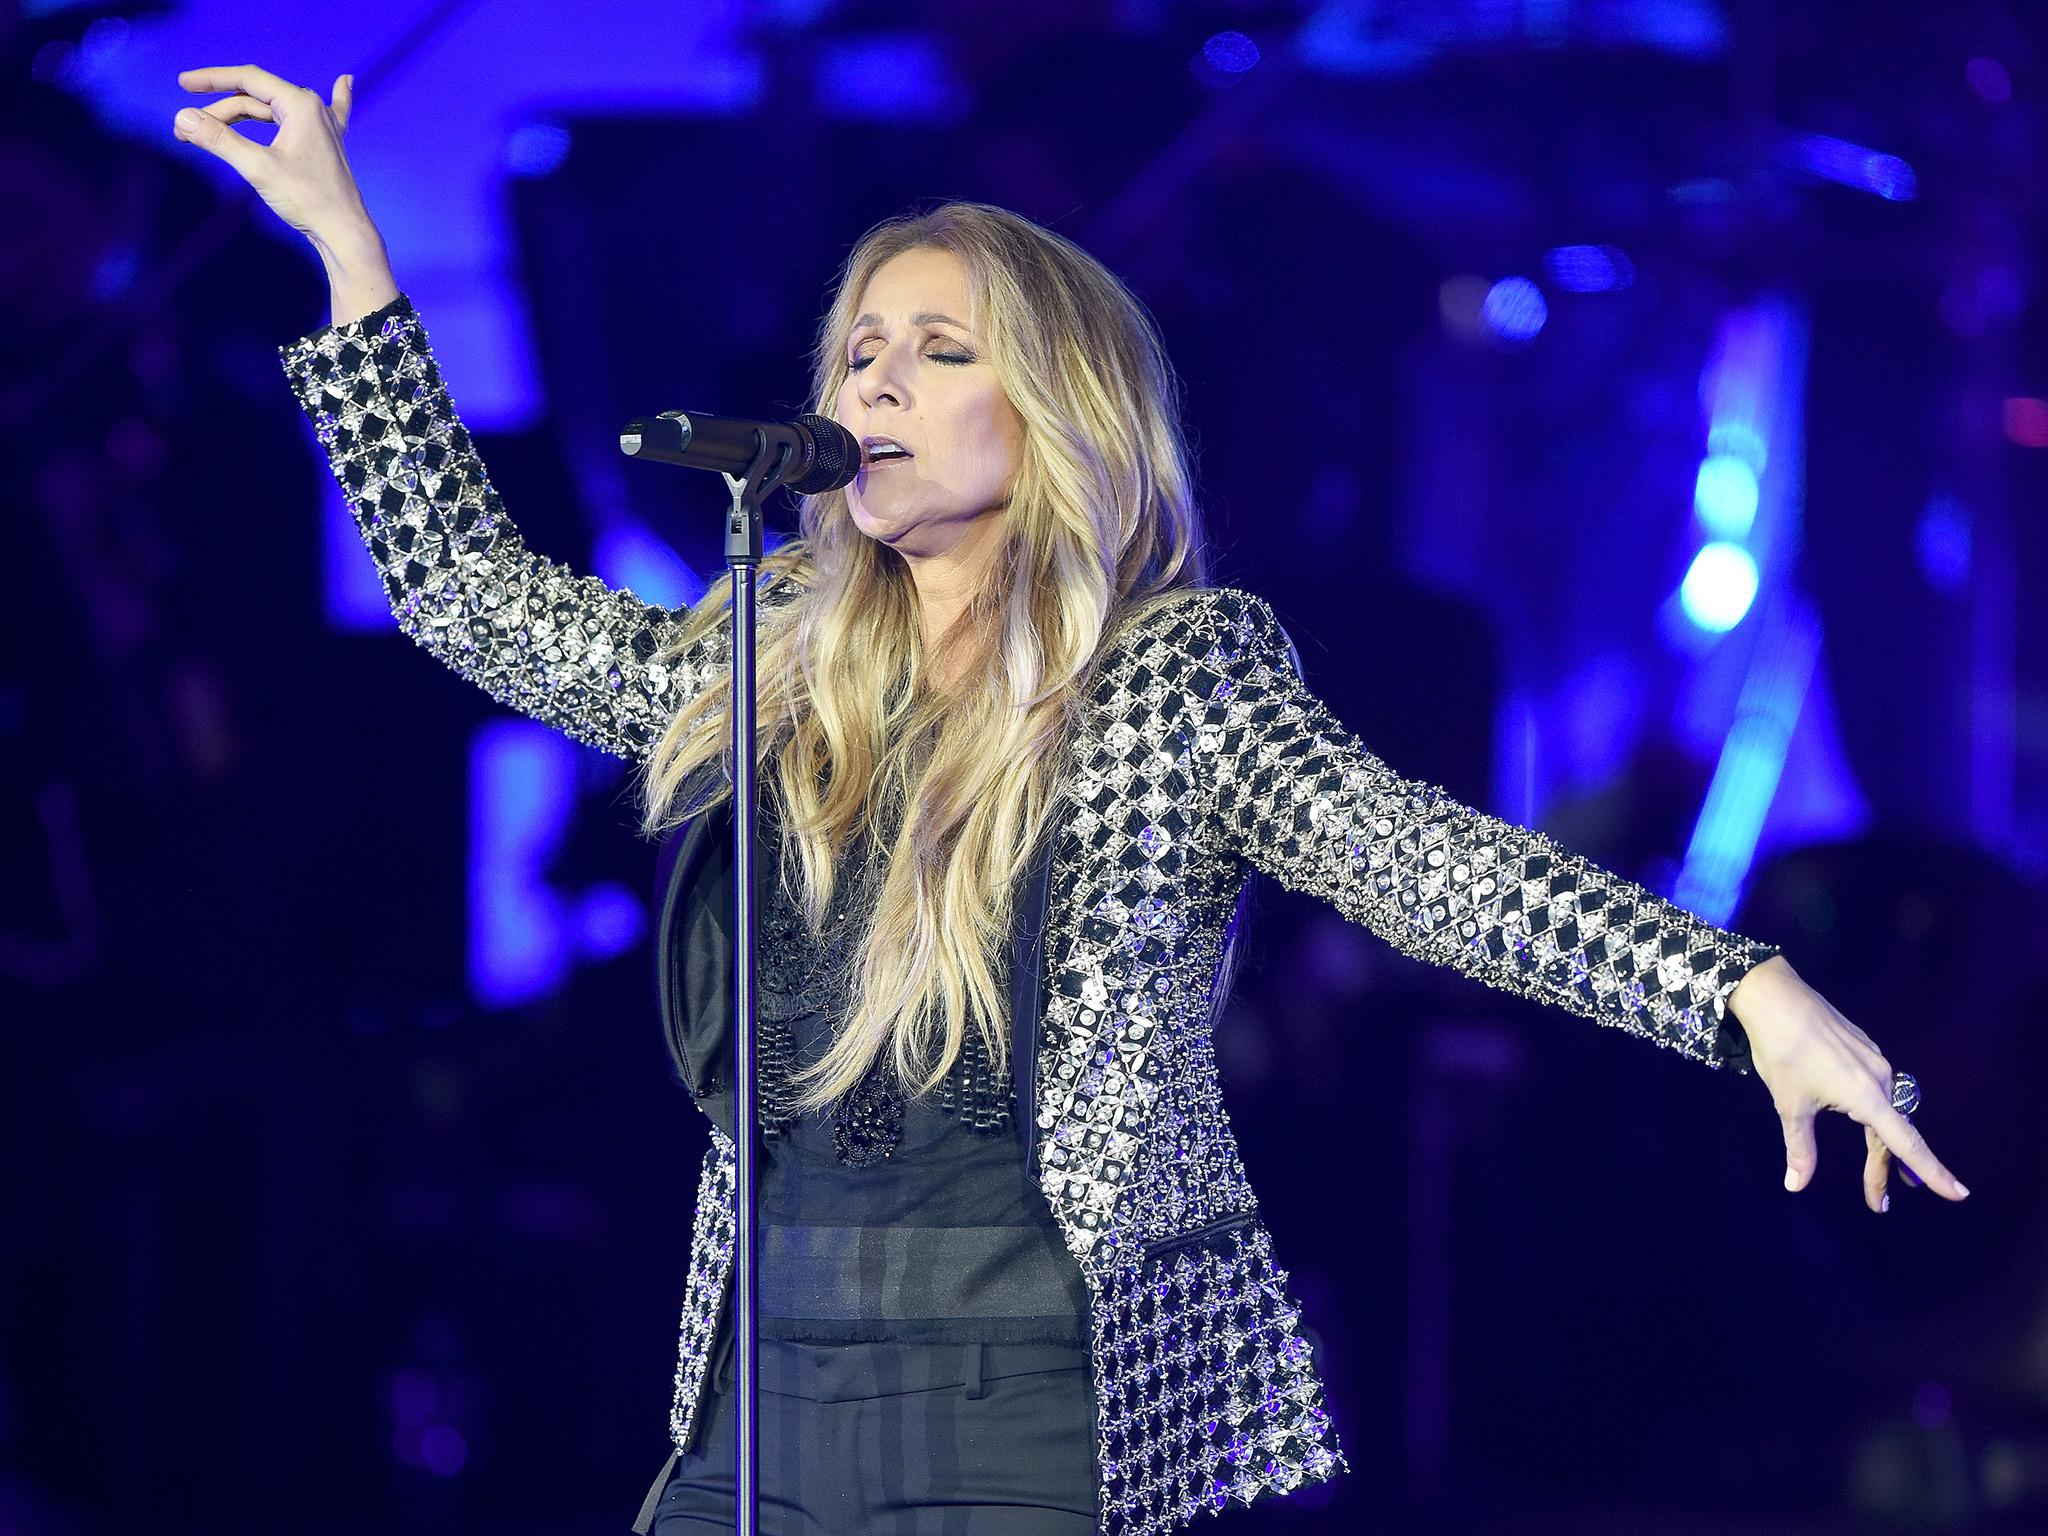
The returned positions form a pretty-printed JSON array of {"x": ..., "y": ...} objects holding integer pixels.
[{"x": 302, "y": 173}]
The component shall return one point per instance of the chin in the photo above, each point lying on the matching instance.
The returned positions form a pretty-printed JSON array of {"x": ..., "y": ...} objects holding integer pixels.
[{"x": 877, "y": 528}]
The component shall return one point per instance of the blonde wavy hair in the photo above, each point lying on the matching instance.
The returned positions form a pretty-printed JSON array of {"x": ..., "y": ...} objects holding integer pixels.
[{"x": 1100, "y": 523}]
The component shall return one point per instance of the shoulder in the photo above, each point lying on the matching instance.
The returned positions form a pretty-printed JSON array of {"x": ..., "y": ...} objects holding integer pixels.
[{"x": 1221, "y": 626}]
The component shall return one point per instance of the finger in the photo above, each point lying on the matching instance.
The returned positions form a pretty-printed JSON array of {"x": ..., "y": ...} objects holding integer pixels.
[
  {"x": 235, "y": 109},
  {"x": 247, "y": 78},
  {"x": 216, "y": 137},
  {"x": 344, "y": 100},
  {"x": 1801, "y": 1156},
  {"x": 1877, "y": 1165},
  {"x": 1911, "y": 1149}
]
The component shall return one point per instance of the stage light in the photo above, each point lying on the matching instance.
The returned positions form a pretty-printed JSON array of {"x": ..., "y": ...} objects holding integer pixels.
[
  {"x": 1943, "y": 543},
  {"x": 1514, "y": 309},
  {"x": 1740, "y": 441},
  {"x": 1724, "y": 496},
  {"x": 536, "y": 149},
  {"x": 1933, "y": 1405},
  {"x": 1461, "y": 305},
  {"x": 2026, "y": 421},
  {"x": 1230, "y": 53},
  {"x": 900, "y": 77},
  {"x": 522, "y": 789},
  {"x": 352, "y": 593},
  {"x": 628, "y": 554},
  {"x": 443, "y": 1450},
  {"x": 1704, "y": 190},
  {"x": 1719, "y": 588},
  {"x": 1590, "y": 268},
  {"x": 609, "y": 920},
  {"x": 1852, "y": 165},
  {"x": 1989, "y": 80},
  {"x": 1724, "y": 839}
]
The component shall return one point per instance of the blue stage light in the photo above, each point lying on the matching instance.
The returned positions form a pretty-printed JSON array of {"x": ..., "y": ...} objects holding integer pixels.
[
  {"x": 1514, "y": 309},
  {"x": 1752, "y": 765},
  {"x": 1943, "y": 543},
  {"x": 1590, "y": 268},
  {"x": 627, "y": 554},
  {"x": 1231, "y": 53},
  {"x": 352, "y": 592},
  {"x": 536, "y": 149},
  {"x": 1704, "y": 191},
  {"x": 522, "y": 787},
  {"x": 1988, "y": 78},
  {"x": 1853, "y": 165},
  {"x": 608, "y": 921},
  {"x": 1740, "y": 441},
  {"x": 1719, "y": 588},
  {"x": 902, "y": 77},
  {"x": 1724, "y": 497}
]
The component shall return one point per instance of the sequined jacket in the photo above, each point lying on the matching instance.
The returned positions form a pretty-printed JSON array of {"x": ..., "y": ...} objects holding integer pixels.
[{"x": 1202, "y": 756}]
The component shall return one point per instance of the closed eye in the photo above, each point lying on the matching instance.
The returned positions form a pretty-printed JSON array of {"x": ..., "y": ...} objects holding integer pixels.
[{"x": 955, "y": 359}]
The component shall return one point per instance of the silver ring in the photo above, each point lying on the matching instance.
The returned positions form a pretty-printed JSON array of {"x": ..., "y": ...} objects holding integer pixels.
[{"x": 1905, "y": 1092}]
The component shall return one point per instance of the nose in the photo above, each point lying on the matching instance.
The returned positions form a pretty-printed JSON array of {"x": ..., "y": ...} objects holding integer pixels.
[{"x": 886, "y": 377}]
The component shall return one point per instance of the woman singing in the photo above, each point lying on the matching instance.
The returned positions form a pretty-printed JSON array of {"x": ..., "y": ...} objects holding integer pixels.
[{"x": 1018, "y": 762}]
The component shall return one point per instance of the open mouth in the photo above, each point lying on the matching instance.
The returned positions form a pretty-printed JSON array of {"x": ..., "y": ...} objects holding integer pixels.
[{"x": 877, "y": 451}]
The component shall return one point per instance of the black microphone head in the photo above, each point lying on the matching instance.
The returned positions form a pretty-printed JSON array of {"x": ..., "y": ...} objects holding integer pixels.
[{"x": 834, "y": 456}]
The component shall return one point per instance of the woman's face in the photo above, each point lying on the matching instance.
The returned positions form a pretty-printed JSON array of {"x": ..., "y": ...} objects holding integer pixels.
[{"x": 919, "y": 377}]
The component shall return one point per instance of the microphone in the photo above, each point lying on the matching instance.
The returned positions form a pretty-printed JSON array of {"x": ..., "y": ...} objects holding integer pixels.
[{"x": 819, "y": 454}]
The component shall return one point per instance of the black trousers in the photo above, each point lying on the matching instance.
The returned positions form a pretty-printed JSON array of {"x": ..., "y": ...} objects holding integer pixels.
[{"x": 899, "y": 1440}]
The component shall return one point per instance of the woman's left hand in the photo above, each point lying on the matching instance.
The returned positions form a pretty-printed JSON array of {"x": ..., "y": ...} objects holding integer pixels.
[{"x": 1811, "y": 1058}]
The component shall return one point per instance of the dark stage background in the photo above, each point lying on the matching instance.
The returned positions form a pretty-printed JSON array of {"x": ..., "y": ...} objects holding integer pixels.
[{"x": 1636, "y": 412}]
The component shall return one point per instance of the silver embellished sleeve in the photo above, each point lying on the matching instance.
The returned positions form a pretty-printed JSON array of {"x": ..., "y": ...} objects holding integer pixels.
[
  {"x": 1298, "y": 795},
  {"x": 572, "y": 652}
]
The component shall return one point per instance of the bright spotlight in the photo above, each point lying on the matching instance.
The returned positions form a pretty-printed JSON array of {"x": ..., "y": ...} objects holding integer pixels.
[
  {"x": 1724, "y": 496},
  {"x": 1719, "y": 588}
]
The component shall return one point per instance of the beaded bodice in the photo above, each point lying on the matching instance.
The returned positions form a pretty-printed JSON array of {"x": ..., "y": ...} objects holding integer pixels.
[{"x": 800, "y": 973}]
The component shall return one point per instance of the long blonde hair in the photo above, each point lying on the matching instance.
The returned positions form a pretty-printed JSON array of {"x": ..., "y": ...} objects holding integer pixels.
[{"x": 1100, "y": 522}]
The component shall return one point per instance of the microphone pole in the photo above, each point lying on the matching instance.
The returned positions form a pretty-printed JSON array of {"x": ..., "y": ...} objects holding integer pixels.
[
  {"x": 742, "y": 559},
  {"x": 777, "y": 459}
]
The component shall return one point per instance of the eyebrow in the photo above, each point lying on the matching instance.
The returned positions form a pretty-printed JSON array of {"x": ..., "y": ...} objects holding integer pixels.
[{"x": 922, "y": 317}]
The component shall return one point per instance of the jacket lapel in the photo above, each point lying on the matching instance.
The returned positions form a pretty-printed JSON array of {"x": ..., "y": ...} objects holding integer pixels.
[{"x": 1028, "y": 908}]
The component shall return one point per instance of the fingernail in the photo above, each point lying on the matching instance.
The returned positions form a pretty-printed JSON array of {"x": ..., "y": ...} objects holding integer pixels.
[
  {"x": 1791, "y": 1182},
  {"x": 1885, "y": 1204},
  {"x": 1962, "y": 1189},
  {"x": 188, "y": 117}
]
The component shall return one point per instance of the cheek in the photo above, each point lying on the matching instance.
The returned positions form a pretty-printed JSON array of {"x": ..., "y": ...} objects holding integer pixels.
[{"x": 998, "y": 438}]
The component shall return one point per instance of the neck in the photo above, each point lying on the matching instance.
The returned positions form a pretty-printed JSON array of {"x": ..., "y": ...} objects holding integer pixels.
[{"x": 947, "y": 581}]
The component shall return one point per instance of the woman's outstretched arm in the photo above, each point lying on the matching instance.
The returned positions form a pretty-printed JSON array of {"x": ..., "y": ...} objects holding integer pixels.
[{"x": 1296, "y": 793}]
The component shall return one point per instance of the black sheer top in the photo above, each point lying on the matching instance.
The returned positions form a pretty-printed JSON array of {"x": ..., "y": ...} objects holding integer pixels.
[{"x": 887, "y": 1216}]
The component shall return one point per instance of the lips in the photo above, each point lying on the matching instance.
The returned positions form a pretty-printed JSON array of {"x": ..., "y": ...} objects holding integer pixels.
[{"x": 877, "y": 450}]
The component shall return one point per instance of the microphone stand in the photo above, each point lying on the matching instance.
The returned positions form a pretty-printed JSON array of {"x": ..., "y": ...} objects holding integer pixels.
[
  {"x": 777, "y": 455},
  {"x": 770, "y": 469}
]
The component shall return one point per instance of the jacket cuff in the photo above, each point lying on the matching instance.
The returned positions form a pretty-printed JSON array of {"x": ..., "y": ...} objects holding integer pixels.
[
  {"x": 295, "y": 355},
  {"x": 1730, "y": 1047}
]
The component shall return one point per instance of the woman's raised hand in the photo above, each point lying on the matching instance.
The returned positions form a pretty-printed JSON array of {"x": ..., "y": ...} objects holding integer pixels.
[{"x": 302, "y": 173}]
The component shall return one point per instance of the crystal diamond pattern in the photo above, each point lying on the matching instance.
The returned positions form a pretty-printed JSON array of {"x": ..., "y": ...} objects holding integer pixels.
[{"x": 595, "y": 662}]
